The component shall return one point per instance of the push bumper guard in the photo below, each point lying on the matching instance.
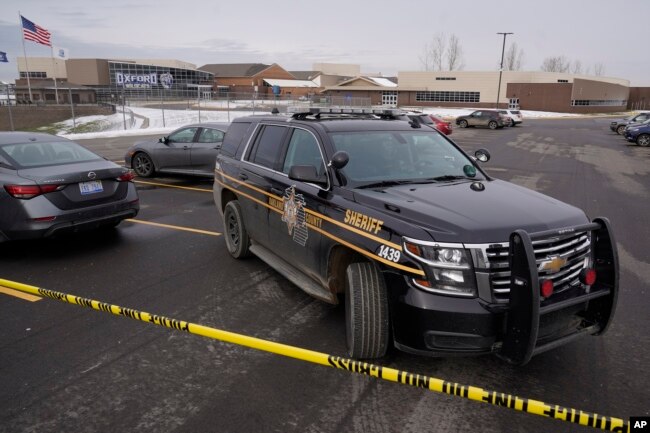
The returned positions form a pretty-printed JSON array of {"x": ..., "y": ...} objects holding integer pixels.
[{"x": 521, "y": 342}]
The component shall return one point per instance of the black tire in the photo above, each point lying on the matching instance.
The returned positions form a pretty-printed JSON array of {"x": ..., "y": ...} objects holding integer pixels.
[
  {"x": 643, "y": 140},
  {"x": 237, "y": 239},
  {"x": 463, "y": 123},
  {"x": 512, "y": 123},
  {"x": 366, "y": 311},
  {"x": 143, "y": 165},
  {"x": 493, "y": 124},
  {"x": 620, "y": 130}
]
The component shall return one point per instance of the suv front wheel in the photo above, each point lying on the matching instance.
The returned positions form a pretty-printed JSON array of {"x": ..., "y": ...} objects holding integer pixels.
[{"x": 366, "y": 311}]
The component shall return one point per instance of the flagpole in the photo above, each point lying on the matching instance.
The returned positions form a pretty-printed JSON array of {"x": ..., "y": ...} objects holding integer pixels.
[
  {"x": 22, "y": 38},
  {"x": 56, "y": 90}
]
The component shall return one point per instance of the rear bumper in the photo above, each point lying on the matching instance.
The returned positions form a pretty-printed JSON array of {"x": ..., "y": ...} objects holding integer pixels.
[{"x": 38, "y": 217}]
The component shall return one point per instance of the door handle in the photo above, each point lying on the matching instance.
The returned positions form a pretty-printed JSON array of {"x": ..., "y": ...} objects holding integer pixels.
[{"x": 243, "y": 176}]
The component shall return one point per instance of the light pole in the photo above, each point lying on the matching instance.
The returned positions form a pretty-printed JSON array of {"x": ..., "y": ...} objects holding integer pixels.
[{"x": 503, "y": 49}]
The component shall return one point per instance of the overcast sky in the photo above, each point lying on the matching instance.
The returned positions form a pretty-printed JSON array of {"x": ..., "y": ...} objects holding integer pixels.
[{"x": 381, "y": 36}]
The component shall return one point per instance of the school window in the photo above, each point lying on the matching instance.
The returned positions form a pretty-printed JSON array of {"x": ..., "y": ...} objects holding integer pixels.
[
  {"x": 447, "y": 96},
  {"x": 599, "y": 102}
]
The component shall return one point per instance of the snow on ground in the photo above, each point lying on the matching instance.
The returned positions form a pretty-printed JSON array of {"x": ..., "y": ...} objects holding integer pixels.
[{"x": 152, "y": 121}]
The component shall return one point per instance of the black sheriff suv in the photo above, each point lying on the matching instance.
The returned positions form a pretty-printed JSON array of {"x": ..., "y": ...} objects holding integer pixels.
[{"x": 427, "y": 251}]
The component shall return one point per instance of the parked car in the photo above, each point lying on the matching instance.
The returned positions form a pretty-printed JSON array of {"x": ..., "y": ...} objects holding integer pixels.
[
  {"x": 433, "y": 121},
  {"x": 639, "y": 134},
  {"x": 50, "y": 184},
  {"x": 515, "y": 116},
  {"x": 619, "y": 125},
  {"x": 490, "y": 118},
  {"x": 191, "y": 150}
]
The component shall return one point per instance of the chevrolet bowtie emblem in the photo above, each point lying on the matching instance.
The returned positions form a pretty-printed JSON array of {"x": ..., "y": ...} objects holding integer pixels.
[{"x": 553, "y": 264}]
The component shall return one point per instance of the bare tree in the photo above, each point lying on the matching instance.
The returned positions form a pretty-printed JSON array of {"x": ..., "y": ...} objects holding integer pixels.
[
  {"x": 454, "y": 54},
  {"x": 514, "y": 58},
  {"x": 442, "y": 53},
  {"x": 556, "y": 64},
  {"x": 433, "y": 55},
  {"x": 576, "y": 67},
  {"x": 599, "y": 69}
]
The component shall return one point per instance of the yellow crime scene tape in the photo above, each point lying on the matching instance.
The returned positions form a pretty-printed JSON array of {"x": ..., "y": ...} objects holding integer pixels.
[{"x": 480, "y": 395}]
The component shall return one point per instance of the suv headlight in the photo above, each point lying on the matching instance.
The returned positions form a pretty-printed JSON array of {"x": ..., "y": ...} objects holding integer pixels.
[{"x": 448, "y": 267}]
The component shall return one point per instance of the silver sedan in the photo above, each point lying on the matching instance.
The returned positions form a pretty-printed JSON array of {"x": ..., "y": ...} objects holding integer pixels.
[
  {"x": 50, "y": 184},
  {"x": 191, "y": 150}
]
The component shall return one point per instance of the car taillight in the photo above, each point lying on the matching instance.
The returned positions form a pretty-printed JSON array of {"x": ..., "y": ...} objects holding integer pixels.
[
  {"x": 126, "y": 177},
  {"x": 30, "y": 191}
]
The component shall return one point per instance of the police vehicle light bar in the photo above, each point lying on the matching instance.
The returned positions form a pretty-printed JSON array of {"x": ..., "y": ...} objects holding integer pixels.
[{"x": 315, "y": 111}]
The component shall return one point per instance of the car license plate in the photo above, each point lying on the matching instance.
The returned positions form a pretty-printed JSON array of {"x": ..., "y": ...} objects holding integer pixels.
[{"x": 91, "y": 187}]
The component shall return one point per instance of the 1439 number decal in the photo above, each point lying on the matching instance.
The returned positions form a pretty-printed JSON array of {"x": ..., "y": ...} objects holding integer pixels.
[{"x": 389, "y": 253}]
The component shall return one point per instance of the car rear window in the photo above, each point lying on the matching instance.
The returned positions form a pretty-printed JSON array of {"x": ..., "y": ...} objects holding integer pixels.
[{"x": 42, "y": 154}]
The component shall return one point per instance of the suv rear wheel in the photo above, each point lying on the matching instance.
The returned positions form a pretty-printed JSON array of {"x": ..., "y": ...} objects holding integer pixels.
[
  {"x": 493, "y": 124},
  {"x": 237, "y": 239},
  {"x": 366, "y": 311}
]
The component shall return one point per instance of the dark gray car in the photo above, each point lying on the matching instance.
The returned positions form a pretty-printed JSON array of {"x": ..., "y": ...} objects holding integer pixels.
[
  {"x": 191, "y": 150},
  {"x": 489, "y": 118},
  {"x": 49, "y": 184},
  {"x": 619, "y": 125}
]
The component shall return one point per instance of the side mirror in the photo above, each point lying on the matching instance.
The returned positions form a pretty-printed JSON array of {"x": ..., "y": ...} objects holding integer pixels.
[
  {"x": 482, "y": 155},
  {"x": 306, "y": 173},
  {"x": 340, "y": 159},
  {"x": 163, "y": 140}
]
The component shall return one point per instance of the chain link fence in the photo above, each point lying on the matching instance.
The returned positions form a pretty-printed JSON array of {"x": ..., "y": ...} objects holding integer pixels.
[{"x": 144, "y": 108}]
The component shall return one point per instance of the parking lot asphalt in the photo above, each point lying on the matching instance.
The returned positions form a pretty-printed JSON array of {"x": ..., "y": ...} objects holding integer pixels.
[{"x": 63, "y": 368}]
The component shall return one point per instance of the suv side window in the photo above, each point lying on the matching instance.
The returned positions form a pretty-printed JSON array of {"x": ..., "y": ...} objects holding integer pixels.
[
  {"x": 268, "y": 146},
  {"x": 303, "y": 150},
  {"x": 233, "y": 138}
]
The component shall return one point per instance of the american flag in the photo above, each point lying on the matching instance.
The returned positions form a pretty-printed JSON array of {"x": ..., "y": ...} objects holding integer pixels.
[{"x": 32, "y": 32}]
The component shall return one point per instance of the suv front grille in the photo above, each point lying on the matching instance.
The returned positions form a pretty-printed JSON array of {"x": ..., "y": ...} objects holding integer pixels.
[{"x": 575, "y": 248}]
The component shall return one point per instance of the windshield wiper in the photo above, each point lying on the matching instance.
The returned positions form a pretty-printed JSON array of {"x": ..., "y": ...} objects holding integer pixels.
[
  {"x": 449, "y": 177},
  {"x": 386, "y": 183}
]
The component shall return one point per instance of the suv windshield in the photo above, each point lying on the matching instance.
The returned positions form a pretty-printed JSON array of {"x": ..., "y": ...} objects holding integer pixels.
[{"x": 391, "y": 157}]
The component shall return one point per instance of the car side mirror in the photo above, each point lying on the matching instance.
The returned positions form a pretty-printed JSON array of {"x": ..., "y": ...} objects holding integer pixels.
[
  {"x": 163, "y": 140},
  {"x": 340, "y": 159},
  {"x": 306, "y": 173},
  {"x": 482, "y": 155}
]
